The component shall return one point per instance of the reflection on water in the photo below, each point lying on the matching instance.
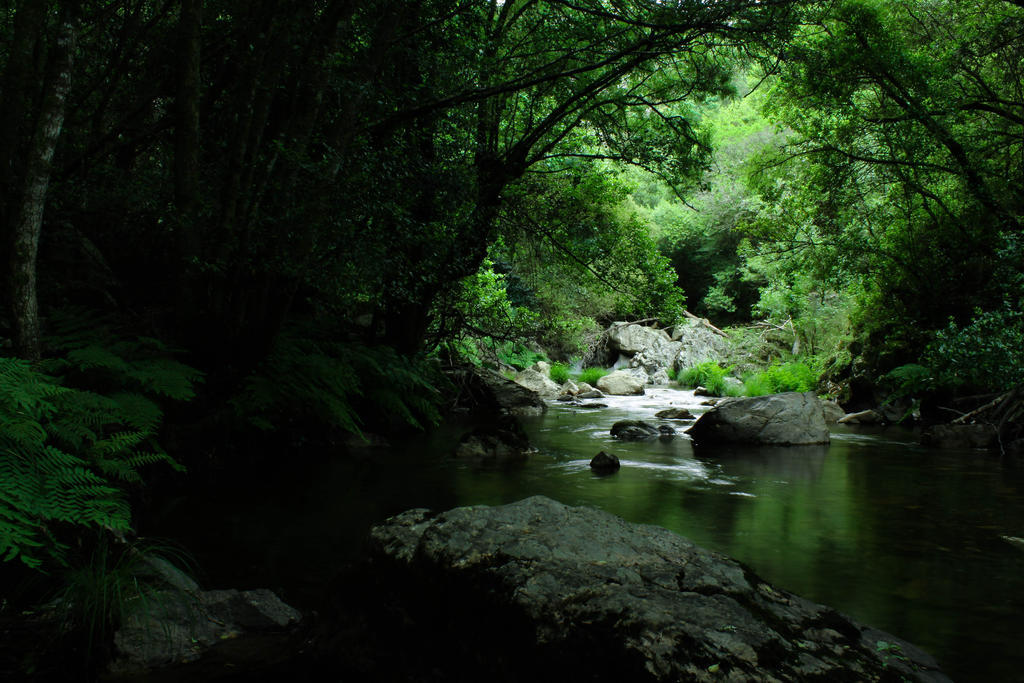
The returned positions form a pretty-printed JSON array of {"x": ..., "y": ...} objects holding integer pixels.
[{"x": 908, "y": 540}]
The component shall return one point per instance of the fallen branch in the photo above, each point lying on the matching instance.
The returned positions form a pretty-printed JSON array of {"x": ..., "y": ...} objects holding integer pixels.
[
  {"x": 635, "y": 322},
  {"x": 705, "y": 323},
  {"x": 988, "y": 406}
]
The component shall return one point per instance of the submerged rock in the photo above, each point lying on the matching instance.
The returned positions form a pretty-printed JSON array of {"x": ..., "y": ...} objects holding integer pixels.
[
  {"x": 537, "y": 590},
  {"x": 634, "y": 430},
  {"x": 605, "y": 463},
  {"x": 777, "y": 419}
]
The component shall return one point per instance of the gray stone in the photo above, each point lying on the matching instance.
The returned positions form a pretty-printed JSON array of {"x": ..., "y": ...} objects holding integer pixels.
[
  {"x": 593, "y": 393},
  {"x": 502, "y": 442},
  {"x": 697, "y": 344},
  {"x": 777, "y": 419},
  {"x": 674, "y": 414},
  {"x": 535, "y": 380},
  {"x": 620, "y": 383},
  {"x": 659, "y": 377},
  {"x": 632, "y": 339},
  {"x": 498, "y": 392},
  {"x": 543, "y": 367},
  {"x": 832, "y": 411},
  {"x": 605, "y": 463},
  {"x": 634, "y": 430},
  {"x": 172, "y": 627},
  {"x": 585, "y": 595}
]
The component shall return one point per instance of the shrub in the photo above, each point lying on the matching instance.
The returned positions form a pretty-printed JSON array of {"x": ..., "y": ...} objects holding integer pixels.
[
  {"x": 671, "y": 372},
  {"x": 591, "y": 375},
  {"x": 756, "y": 384},
  {"x": 791, "y": 377},
  {"x": 709, "y": 375},
  {"x": 559, "y": 373},
  {"x": 518, "y": 355},
  {"x": 777, "y": 378},
  {"x": 909, "y": 380},
  {"x": 981, "y": 355}
]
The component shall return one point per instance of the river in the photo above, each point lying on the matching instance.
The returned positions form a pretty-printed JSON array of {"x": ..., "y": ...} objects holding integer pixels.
[{"x": 913, "y": 541}]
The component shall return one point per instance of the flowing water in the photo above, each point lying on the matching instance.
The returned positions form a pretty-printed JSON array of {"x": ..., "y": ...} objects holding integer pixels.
[{"x": 917, "y": 542}]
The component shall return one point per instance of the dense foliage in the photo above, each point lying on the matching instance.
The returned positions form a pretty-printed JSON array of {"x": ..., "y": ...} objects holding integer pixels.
[
  {"x": 901, "y": 179},
  {"x": 322, "y": 203}
]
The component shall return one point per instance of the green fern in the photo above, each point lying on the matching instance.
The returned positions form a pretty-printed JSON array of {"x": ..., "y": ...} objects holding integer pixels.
[{"x": 66, "y": 451}]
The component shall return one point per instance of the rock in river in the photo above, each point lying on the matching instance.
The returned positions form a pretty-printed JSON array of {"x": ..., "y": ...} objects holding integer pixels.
[
  {"x": 503, "y": 441},
  {"x": 674, "y": 414},
  {"x": 536, "y": 379},
  {"x": 605, "y": 463},
  {"x": 777, "y": 419},
  {"x": 620, "y": 383},
  {"x": 537, "y": 590},
  {"x": 634, "y": 430},
  {"x": 488, "y": 392}
]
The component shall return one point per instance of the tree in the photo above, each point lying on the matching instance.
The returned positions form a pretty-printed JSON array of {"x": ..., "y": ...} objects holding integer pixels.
[
  {"x": 904, "y": 171},
  {"x": 26, "y": 217}
]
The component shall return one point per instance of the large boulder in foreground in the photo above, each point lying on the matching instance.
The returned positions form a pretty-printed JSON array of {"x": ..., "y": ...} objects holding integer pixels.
[
  {"x": 791, "y": 418},
  {"x": 620, "y": 383},
  {"x": 537, "y": 590}
]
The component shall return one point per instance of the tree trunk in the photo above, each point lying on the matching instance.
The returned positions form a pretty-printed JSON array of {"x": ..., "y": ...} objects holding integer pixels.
[
  {"x": 186, "y": 151},
  {"x": 19, "y": 79},
  {"x": 29, "y": 222}
]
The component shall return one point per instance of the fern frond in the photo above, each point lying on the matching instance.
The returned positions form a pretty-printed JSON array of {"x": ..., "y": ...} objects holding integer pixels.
[
  {"x": 165, "y": 377},
  {"x": 139, "y": 412},
  {"x": 65, "y": 451}
]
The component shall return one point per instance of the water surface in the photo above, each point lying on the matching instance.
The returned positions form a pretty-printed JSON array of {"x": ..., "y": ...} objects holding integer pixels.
[{"x": 909, "y": 540}]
